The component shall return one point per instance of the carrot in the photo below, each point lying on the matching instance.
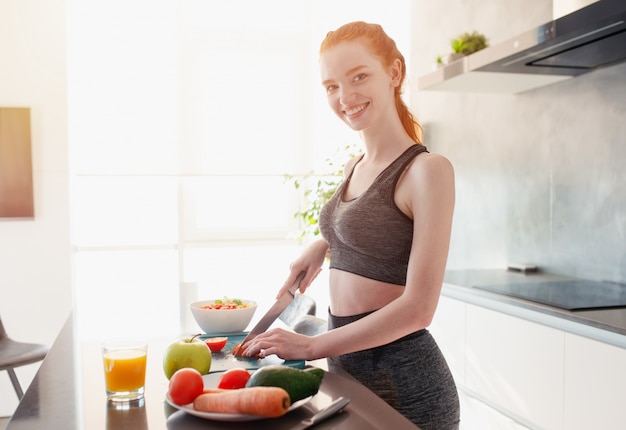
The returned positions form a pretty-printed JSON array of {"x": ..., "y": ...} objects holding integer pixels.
[
  {"x": 268, "y": 402},
  {"x": 213, "y": 390}
]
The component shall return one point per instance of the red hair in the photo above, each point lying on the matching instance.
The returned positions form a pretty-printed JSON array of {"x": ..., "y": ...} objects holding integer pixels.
[{"x": 383, "y": 47}]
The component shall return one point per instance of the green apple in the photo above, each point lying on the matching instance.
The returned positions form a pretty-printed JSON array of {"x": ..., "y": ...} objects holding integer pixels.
[{"x": 187, "y": 352}]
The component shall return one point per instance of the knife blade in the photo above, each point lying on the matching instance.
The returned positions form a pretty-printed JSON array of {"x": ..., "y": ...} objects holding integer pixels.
[
  {"x": 336, "y": 406},
  {"x": 274, "y": 312}
]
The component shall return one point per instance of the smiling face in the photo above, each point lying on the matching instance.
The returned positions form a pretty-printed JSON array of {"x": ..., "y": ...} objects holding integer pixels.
[{"x": 360, "y": 90}]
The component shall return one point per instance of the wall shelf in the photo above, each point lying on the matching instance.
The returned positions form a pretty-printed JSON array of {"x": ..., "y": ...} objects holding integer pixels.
[{"x": 585, "y": 40}]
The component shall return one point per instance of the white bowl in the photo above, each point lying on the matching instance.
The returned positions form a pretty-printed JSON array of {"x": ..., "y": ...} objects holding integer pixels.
[{"x": 222, "y": 320}]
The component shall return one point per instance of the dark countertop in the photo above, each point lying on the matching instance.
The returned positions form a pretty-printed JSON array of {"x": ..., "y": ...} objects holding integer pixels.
[
  {"x": 605, "y": 325},
  {"x": 68, "y": 393}
]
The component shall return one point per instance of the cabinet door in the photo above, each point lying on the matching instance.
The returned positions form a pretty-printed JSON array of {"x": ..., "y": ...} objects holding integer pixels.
[
  {"x": 517, "y": 365},
  {"x": 595, "y": 385},
  {"x": 448, "y": 329}
]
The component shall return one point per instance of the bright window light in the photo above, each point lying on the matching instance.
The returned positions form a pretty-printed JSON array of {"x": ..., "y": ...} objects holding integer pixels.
[{"x": 184, "y": 117}]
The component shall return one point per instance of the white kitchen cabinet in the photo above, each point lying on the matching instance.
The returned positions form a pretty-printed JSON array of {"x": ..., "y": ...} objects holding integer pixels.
[
  {"x": 517, "y": 365},
  {"x": 448, "y": 329},
  {"x": 595, "y": 385},
  {"x": 529, "y": 365}
]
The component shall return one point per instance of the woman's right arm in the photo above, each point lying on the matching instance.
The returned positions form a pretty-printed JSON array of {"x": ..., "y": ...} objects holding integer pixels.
[
  {"x": 312, "y": 258},
  {"x": 310, "y": 262}
]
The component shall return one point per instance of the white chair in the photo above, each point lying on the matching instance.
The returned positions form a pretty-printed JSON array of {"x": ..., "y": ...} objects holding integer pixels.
[{"x": 15, "y": 354}]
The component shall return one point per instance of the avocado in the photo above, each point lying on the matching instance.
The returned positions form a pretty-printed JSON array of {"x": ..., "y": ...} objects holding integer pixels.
[{"x": 299, "y": 383}]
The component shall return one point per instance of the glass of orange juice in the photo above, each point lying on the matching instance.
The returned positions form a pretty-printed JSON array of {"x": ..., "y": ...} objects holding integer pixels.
[{"x": 124, "y": 369}]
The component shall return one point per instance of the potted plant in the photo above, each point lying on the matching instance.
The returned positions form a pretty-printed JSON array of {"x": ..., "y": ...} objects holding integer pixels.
[
  {"x": 457, "y": 50},
  {"x": 316, "y": 189},
  {"x": 472, "y": 42},
  {"x": 466, "y": 44},
  {"x": 439, "y": 62}
]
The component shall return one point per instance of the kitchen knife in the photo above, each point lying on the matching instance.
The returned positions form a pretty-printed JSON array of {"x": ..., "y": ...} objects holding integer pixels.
[
  {"x": 274, "y": 312},
  {"x": 336, "y": 406}
]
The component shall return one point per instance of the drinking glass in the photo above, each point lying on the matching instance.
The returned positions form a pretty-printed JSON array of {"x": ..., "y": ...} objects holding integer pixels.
[{"x": 124, "y": 369}]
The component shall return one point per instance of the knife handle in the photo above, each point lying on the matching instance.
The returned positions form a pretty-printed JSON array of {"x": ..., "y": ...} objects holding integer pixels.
[
  {"x": 337, "y": 405},
  {"x": 296, "y": 284}
]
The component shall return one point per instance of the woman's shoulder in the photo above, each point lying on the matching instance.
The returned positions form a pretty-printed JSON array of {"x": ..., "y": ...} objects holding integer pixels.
[
  {"x": 431, "y": 164},
  {"x": 428, "y": 182},
  {"x": 429, "y": 174}
]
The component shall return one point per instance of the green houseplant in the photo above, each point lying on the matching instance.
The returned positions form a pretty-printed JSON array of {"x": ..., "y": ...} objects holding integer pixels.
[
  {"x": 471, "y": 42},
  {"x": 457, "y": 50},
  {"x": 316, "y": 189},
  {"x": 466, "y": 44},
  {"x": 457, "y": 45}
]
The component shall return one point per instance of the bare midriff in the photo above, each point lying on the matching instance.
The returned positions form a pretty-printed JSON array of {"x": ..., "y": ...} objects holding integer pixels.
[{"x": 352, "y": 294}]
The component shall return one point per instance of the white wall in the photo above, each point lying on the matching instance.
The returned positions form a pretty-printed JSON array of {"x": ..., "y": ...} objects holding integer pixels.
[{"x": 35, "y": 255}]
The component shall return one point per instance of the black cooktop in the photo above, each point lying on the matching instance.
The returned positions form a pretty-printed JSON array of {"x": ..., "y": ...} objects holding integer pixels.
[{"x": 571, "y": 295}]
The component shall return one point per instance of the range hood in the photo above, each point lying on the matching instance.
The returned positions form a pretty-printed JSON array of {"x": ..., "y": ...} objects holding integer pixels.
[{"x": 577, "y": 43}]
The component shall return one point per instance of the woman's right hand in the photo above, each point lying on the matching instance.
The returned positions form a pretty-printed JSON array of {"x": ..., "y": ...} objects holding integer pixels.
[{"x": 310, "y": 262}]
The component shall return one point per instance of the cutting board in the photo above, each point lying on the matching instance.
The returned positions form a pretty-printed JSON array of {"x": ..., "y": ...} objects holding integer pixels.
[{"x": 225, "y": 360}]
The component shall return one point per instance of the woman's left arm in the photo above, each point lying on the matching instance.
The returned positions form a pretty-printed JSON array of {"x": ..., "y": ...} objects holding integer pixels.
[{"x": 431, "y": 202}]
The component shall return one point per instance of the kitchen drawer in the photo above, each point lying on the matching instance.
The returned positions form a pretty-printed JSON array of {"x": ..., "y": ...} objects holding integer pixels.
[
  {"x": 517, "y": 365},
  {"x": 595, "y": 385}
]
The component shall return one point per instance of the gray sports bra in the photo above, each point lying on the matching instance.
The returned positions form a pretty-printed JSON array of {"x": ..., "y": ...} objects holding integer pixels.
[{"x": 369, "y": 235}]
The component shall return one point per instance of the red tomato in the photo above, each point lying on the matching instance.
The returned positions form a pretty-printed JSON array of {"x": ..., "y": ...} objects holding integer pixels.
[
  {"x": 234, "y": 379},
  {"x": 216, "y": 344},
  {"x": 185, "y": 385},
  {"x": 236, "y": 349}
]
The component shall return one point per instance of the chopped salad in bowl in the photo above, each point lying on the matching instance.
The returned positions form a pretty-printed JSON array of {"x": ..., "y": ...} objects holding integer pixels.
[{"x": 224, "y": 315}]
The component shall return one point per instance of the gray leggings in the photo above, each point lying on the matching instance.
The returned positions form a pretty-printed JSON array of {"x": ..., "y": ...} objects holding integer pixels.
[{"x": 410, "y": 374}]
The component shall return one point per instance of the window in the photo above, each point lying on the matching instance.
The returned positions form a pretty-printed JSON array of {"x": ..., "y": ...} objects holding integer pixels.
[
  {"x": 241, "y": 104},
  {"x": 183, "y": 118}
]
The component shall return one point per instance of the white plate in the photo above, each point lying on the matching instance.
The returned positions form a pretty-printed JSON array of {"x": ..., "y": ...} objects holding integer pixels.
[{"x": 210, "y": 381}]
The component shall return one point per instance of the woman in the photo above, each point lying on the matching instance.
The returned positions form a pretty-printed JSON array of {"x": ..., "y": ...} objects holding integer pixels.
[{"x": 388, "y": 231}]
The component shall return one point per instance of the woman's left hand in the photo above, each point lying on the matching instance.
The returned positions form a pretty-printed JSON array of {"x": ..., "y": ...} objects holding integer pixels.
[{"x": 285, "y": 344}]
